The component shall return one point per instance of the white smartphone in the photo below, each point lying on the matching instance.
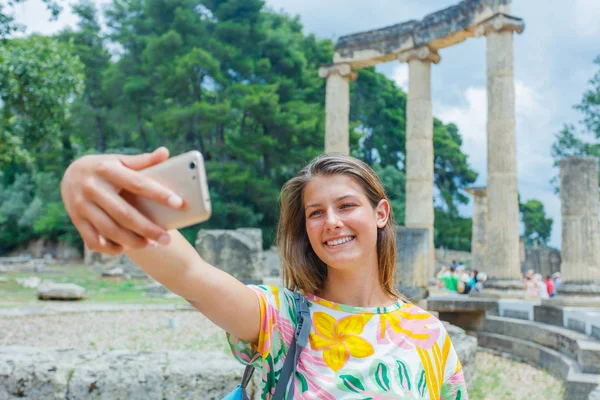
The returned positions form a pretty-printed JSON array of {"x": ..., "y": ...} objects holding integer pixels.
[{"x": 184, "y": 174}]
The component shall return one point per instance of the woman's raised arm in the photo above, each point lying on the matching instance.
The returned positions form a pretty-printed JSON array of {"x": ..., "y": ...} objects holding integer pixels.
[{"x": 108, "y": 224}]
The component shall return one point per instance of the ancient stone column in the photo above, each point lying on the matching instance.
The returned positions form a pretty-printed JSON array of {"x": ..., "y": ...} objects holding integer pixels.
[
  {"x": 419, "y": 143},
  {"x": 479, "y": 231},
  {"x": 579, "y": 208},
  {"x": 503, "y": 208},
  {"x": 337, "y": 107}
]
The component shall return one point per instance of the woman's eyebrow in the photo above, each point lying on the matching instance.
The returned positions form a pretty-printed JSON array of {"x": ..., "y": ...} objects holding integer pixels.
[{"x": 338, "y": 199}]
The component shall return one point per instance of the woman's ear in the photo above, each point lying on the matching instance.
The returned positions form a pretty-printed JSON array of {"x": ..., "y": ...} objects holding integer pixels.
[{"x": 382, "y": 213}]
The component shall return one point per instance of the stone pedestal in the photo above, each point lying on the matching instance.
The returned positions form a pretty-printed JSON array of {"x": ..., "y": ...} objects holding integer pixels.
[
  {"x": 479, "y": 231},
  {"x": 419, "y": 144},
  {"x": 337, "y": 107},
  {"x": 579, "y": 208},
  {"x": 503, "y": 208}
]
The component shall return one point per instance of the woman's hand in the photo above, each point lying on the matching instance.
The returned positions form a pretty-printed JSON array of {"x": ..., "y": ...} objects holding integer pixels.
[{"x": 107, "y": 223}]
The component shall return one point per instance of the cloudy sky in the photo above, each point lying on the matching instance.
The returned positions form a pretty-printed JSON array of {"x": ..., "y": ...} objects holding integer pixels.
[{"x": 553, "y": 62}]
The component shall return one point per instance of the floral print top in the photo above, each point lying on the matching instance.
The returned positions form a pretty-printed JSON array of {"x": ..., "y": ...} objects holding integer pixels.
[{"x": 394, "y": 352}]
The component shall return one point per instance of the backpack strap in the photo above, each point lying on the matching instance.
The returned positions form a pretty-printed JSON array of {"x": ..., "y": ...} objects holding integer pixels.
[
  {"x": 247, "y": 376},
  {"x": 299, "y": 342}
]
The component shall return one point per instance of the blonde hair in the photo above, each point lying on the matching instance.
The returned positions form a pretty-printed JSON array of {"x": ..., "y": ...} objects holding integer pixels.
[{"x": 302, "y": 268}]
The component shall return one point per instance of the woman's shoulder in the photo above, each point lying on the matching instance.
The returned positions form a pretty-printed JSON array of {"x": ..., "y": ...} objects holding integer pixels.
[{"x": 279, "y": 297}]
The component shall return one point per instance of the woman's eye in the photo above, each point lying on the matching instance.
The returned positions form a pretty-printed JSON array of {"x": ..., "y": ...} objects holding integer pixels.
[
  {"x": 314, "y": 213},
  {"x": 347, "y": 205}
]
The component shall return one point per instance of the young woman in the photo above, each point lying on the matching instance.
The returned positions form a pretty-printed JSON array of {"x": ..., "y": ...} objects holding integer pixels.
[{"x": 336, "y": 237}]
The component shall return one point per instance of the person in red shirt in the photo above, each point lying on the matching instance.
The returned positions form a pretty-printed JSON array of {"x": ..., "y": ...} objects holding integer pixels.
[{"x": 550, "y": 286}]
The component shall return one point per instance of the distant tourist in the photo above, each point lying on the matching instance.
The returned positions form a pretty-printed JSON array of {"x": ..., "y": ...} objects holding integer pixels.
[
  {"x": 481, "y": 279},
  {"x": 542, "y": 291},
  {"x": 557, "y": 281},
  {"x": 448, "y": 279},
  {"x": 472, "y": 282},
  {"x": 550, "y": 286},
  {"x": 463, "y": 279},
  {"x": 531, "y": 288}
]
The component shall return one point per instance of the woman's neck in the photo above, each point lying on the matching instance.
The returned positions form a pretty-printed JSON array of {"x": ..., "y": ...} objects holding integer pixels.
[{"x": 358, "y": 288}]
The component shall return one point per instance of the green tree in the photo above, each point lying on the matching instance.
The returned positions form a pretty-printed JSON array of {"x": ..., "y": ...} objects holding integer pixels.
[
  {"x": 38, "y": 77},
  {"x": 452, "y": 231},
  {"x": 14, "y": 201},
  {"x": 451, "y": 169},
  {"x": 394, "y": 183},
  {"x": 378, "y": 112},
  {"x": 537, "y": 225},
  {"x": 89, "y": 112},
  {"x": 582, "y": 141},
  {"x": 226, "y": 77}
]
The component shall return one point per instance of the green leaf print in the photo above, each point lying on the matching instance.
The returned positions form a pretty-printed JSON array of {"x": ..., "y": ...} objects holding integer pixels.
[
  {"x": 446, "y": 392},
  {"x": 353, "y": 383},
  {"x": 303, "y": 382},
  {"x": 380, "y": 375},
  {"x": 404, "y": 375},
  {"x": 422, "y": 385}
]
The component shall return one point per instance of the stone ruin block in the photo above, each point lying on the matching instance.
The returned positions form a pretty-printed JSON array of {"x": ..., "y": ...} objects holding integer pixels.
[
  {"x": 60, "y": 291},
  {"x": 413, "y": 261},
  {"x": 236, "y": 251}
]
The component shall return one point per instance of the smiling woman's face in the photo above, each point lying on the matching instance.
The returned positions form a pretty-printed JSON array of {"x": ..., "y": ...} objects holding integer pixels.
[{"x": 341, "y": 223}]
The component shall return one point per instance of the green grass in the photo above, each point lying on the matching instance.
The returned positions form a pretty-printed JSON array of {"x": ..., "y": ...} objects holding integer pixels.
[
  {"x": 489, "y": 383},
  {"x": 98, "y": 290},
  {"x": 500, "y": 378}
]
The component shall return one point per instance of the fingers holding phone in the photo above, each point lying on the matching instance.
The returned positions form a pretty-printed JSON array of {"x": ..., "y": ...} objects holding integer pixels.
[
  {"x": 91, "y": 189},
  {"x": 184, "y": 174}
]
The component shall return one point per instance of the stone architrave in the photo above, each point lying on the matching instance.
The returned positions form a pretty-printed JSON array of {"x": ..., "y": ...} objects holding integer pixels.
[
  {"x": 337, "y": 107},
  {"x": 419, "y": 143},
  {"x": 502, "y": 193},
  {"x": 579, "y": 208},
  {"x": 479, "y": 231}
]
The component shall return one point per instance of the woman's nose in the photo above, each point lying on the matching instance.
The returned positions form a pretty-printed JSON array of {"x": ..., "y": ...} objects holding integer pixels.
[{"x": 333, "y": 220}]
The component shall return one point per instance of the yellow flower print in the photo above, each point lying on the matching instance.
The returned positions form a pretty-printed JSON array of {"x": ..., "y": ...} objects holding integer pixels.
[{"x": 340, "y": 339}]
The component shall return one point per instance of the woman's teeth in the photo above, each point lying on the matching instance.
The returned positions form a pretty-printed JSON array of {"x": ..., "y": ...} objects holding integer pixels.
[{"x": 339, "y": 241}]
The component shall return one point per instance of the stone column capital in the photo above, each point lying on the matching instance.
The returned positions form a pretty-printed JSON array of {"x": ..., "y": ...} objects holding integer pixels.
[
  {"x": 343, "y": 70},
  {"x": 423, "y": 53},
  {"x": 477, "y": 191},
  {"x": 500, "y": 23}
]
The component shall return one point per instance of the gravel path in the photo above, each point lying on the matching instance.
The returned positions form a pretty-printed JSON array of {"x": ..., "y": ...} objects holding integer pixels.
[
  {"x": 497, "y": 378},
  {"x": 131, "y": 330}
]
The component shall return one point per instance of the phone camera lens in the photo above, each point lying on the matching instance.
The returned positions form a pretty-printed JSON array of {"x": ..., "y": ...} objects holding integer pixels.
[{"x": 192, "y": 165}]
